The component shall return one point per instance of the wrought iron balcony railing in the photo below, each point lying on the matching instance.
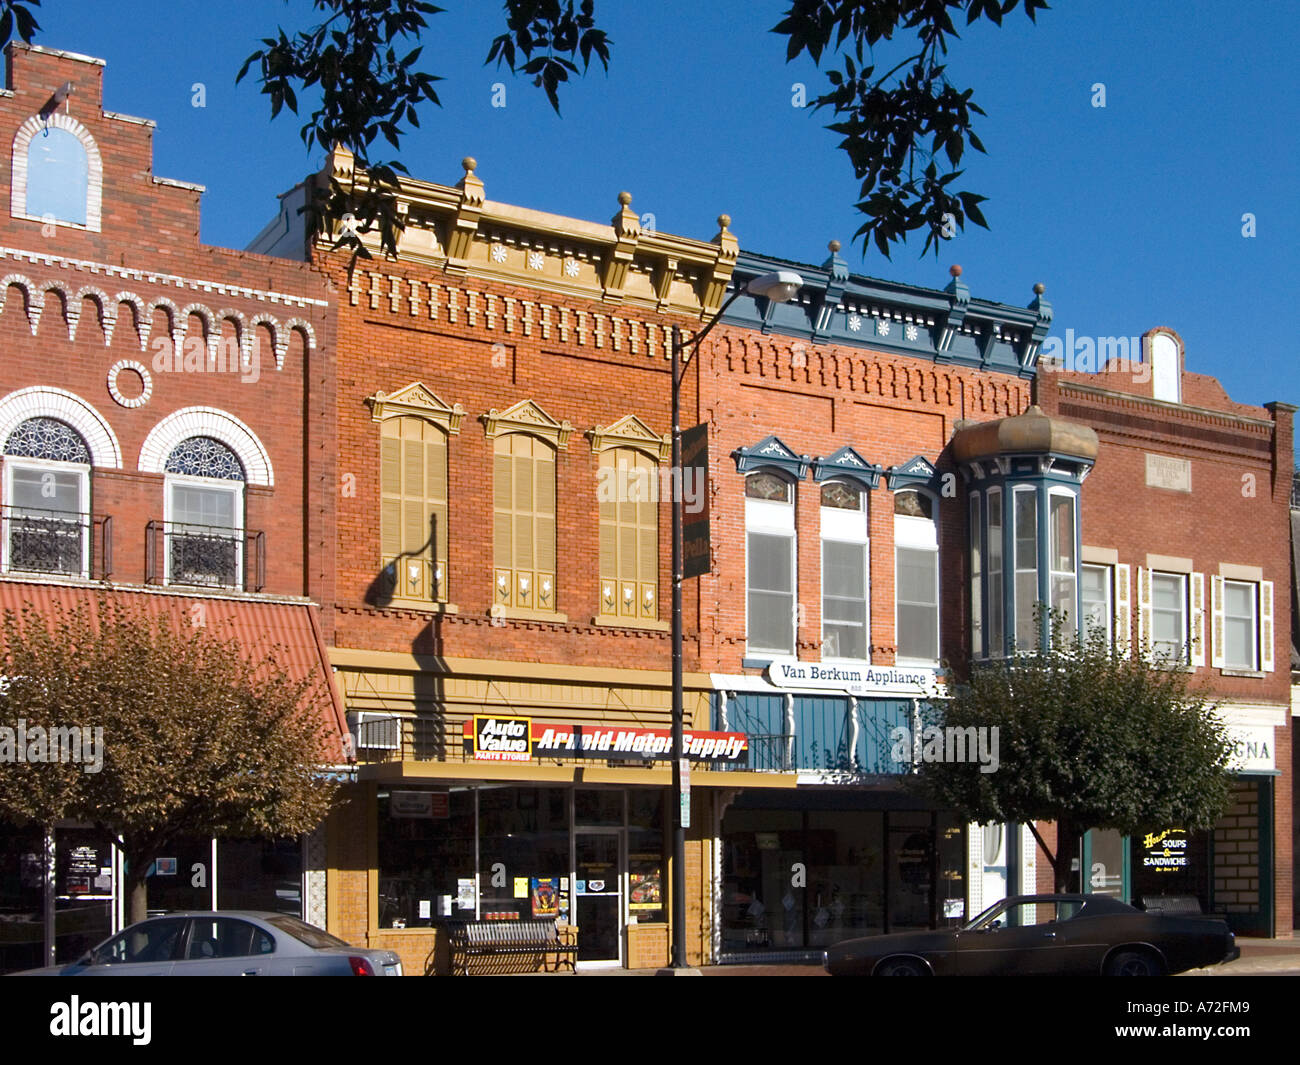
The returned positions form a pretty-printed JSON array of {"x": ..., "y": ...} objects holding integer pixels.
[
  {"x": 204, "y": 556},
  {"x": 56, "y": 542}
]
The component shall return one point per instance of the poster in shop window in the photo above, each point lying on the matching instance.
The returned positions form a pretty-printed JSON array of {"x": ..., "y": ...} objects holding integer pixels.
[
  {"x": 644, "y": 891},
  {"x": 546, "y": 896}
]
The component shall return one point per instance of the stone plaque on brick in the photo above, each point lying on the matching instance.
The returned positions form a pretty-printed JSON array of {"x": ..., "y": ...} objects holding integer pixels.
[{"x": 1165, "y": 472}]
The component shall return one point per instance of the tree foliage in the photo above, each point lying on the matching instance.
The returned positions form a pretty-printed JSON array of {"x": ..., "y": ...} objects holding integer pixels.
[
  {"x": 197, "y": 740},
  {"x": 1089, "y": 737}
]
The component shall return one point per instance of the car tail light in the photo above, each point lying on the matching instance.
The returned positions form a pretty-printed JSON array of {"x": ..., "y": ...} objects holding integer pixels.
[{"x": 361, "y": 967}]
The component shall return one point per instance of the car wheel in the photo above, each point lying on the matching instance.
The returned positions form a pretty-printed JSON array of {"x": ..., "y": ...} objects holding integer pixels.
[
  {"x": 901, "y": 967},
  {"x": 1133, "y": 963}
]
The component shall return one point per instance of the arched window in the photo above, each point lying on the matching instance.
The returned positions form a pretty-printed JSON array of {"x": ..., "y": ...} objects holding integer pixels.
[
  {"x": 57, "y": 172},
  {"x": 47, "y": 499},
  {"x": 770, "y": 563},
  {"x": 204, "y": 514},
  {"x": 916, "y": 579}
]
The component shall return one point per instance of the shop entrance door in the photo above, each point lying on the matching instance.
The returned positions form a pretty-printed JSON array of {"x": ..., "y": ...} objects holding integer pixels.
[{"x": 598, "y": 896}]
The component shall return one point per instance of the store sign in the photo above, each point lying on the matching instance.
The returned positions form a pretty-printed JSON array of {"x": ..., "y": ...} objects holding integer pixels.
[
  {"x": 1165, "y": 852},
  {"x": 498, "y": 739},
  {"x": 914, "y": 681},
  {"x": 432, "y": 805},
  {"x": 1252, "y": 749},
  {"x": 551, "y": 740}
]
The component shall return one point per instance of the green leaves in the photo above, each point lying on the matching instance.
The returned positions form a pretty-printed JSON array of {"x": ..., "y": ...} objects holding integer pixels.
[
  {"x": 548, "y": 37},
  {"x": 896, "y": 125},
  {"x": 16, "y": 15}
]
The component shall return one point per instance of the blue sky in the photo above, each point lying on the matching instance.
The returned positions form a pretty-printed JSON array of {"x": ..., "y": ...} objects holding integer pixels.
[{"x": 1131, "y": 214}]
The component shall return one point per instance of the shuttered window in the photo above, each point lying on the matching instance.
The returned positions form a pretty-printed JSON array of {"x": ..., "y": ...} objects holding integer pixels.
[
  {"x": 629, "y": 534},
  {"x": 413, "y": 508},
  {"x": 523, "y": 542}
]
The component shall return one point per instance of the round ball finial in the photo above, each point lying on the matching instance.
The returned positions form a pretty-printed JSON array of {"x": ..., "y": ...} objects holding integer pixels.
[
  {"x": 469, "y": 163},
  {"x": 624, "y": 198},
  {"x": 955, "y": 270},
  {"x": 724, "y": 220},
  {"x": 1039, "y": 288},
  {"x": 834, "y": 246}
]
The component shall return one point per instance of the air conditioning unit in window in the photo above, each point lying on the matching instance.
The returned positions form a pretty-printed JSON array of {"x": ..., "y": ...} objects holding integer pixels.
[{"x": 374, "y": 731}]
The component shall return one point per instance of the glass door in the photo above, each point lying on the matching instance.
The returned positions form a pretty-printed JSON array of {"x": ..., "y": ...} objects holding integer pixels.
[{"x": 598, "y": 895}]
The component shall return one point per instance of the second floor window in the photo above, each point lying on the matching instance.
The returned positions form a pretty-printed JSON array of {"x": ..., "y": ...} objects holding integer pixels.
[
  {"x": 413, "y": 508},
  {"x": 1095, "y": 595},
  {"x": 916, "y": 581},
  {"x": 1169, "y": 631},
  {"x": 204, "y": 514},
  {"x": 770, "y": 565},
  {"x": 524, "y": 523},
  {"x": 844, "y": 571},
  {"x": 629, "y": 534},
  {"x": 47, "y": 499},
  {"x": 1240, "y": 626}
]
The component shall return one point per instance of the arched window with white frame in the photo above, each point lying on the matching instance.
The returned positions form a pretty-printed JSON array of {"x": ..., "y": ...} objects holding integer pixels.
[
  {"x": 916, "y": 578},
  {"x": 46, "y": 499},
  {"x": 204, "y": 514},
  {"x": 769, "y": 564}
]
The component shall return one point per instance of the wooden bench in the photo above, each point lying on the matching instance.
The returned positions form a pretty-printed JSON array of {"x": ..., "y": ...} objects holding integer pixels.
[{"x": 539, "y": 938}]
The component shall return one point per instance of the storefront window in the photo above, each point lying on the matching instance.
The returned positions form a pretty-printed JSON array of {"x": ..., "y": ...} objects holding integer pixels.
[
  {"x": 260, "y": 874},
  {"x": 23, "y": 938},
  {"x": 645, "y": 856},
  {"x": 598, "y": 807},
  {"x": 180, "y": 878},
  {"x": 426, "y": 856},
  {"x": 83, "y": 886},
  {"x": 524, "y": 852}
]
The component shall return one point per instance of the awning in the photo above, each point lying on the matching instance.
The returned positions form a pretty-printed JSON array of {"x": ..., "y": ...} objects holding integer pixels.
[{"x": 293, "y": 628}]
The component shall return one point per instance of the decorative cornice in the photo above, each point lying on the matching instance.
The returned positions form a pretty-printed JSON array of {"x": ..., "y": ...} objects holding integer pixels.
[
  {"x": 631, "y": 431},
  {"x": 847, "y": 464},
  {"x": 1164, "y": 408},
  {"x": 771, "y": 453},
  {"x": 526, "y": 416},
  {"x": 415, "y": 400},
  {"x": 917, "y": 471}
]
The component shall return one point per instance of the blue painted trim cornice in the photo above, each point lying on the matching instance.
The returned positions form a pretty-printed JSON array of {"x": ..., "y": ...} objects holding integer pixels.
[
  {"x": 772, "y": 453},
  {"x": 847, "y": 464},
  {"x": 918, "y": 471}
]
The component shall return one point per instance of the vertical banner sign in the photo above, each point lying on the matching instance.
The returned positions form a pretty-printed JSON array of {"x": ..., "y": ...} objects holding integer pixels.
[
  {"x": 686, "y": 792},
  {"x": 693, "y": 498}
]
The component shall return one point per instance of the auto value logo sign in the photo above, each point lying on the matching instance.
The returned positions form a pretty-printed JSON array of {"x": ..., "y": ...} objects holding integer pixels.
[{"x": 516, "y": 739}]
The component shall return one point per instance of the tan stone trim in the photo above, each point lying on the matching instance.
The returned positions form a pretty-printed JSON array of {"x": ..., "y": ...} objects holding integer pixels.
[
  {"x": 519, "y": 613},
  {"x": 614, "y": 621},
  {"x": 425, "y": 606},
  {"x": 527, "y": 416},
  {"x": 631, "y": 431},
  {"x": 1100, "y": 556},
  {"x": 403, "y": 661},
  {"x": 416, "y": 401},
  {"x": 1235, "y": 572},
  {"x": 1169, "y": 563}
]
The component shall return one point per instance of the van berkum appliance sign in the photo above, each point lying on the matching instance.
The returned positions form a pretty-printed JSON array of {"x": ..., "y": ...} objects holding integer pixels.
[{"x": 516, "y": 739}]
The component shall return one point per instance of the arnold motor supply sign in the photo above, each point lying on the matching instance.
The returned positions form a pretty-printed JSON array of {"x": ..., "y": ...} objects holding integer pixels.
[{"x": 517, "y": 739}]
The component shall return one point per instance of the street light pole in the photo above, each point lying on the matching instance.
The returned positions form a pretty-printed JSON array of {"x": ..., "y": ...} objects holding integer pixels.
[{"x": 778, "y": 287}]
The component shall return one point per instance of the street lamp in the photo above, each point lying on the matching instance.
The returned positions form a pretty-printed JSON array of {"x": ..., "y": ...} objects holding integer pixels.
[{"x": 780, "y": 286}]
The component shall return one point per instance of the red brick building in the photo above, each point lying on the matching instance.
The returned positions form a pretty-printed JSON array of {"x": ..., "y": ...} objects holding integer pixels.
[
  {"x": 1185, "y": 543},
  {"x": 160, "y": 401}
]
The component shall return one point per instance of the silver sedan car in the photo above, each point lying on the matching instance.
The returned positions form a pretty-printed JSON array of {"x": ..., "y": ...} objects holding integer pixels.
[{"x": 226, "y": 943}]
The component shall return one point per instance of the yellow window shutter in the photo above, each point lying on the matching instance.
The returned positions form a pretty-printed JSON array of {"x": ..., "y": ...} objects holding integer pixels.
[
  {"x": 1217, "y": 647},
  {"x": 1266, "y": 626},
  {"x": 1144, "y": 609},
  {"x": 1123, "y": 609},
  {"x": 1196, "y": 630}
]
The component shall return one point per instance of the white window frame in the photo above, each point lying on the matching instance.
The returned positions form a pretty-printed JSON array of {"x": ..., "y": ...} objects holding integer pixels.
[
  {"x": 976, "y": 546},
  {"x": 919, "y": 534},
  {"x": 769, "y": 517},
  {"x": 1017, "y": 494},
  {"x": 1052, "y": 572},
  {"x": 1253, "y": 667},
  {"x": 82, "y": 470},
  {"x": 1184, "y": 659},
  {"x": 1108, "y": 587},
  {"x": 224, "y": 484},
  {"x": 995, "y": 603},
  {"x": 842, "y": 526}
]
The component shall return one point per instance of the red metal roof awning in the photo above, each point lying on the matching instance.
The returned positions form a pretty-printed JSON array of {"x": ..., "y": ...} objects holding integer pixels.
[{"x": 292, "y": 629}]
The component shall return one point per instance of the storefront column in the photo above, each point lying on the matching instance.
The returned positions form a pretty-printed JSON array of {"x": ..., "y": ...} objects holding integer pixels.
[{"x": 47, "y": 896}]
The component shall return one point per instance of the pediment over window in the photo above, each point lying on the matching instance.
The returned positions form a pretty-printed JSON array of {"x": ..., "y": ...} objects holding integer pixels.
[
  {"x": 631, "y": 431},
  {"x": 847, "y": 464},
  {"x": 527, "y": 417},
  {"x": 917, "y": 470},
  {"x": 415, "y": 400},
  {"x": 772, "y": 452}
]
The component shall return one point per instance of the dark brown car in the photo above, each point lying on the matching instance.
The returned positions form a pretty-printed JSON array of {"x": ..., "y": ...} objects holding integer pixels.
[{"x": 1040, "y": 935}]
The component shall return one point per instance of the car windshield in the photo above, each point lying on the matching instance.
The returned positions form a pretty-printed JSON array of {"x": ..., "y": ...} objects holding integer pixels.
[
  {"x": 979, "y": 920},
  {"x": 314, "y": 937}
]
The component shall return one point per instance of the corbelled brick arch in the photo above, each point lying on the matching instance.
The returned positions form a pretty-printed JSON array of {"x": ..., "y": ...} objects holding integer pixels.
[
  {"x": 44, "y": 402},
  {"x": 207, "y": 421},
  {"x": 94, "y": 168}
]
